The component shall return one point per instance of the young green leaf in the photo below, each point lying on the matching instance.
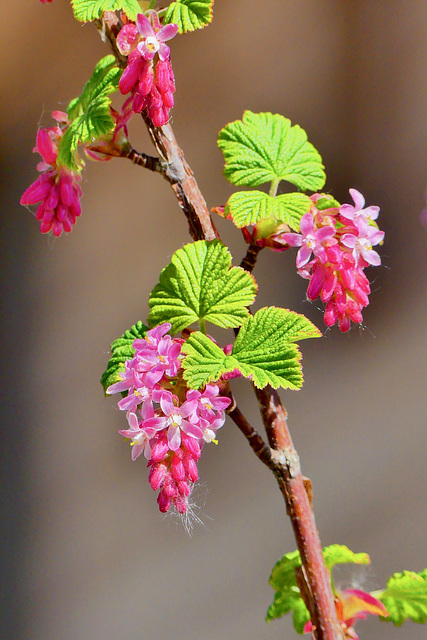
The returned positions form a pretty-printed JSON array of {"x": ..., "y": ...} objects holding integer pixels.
[
  {"x": 327, "y": 202},
  {"x": 89, "y": 114},
  {"x": 288, "y": 597},
  {"x": 405, "y": 597},
  {"x": 249, "y": 207},
  {"x": 263, "y": 351},
  {"x": 121, "y": 350},
  {"x": 340, "y": 554},
  {"x": 87, "y": 10},
  {"x": 263, "y": 147},
  {"x": 200, "y": 285},
  {"x": 189, "y": 15}
]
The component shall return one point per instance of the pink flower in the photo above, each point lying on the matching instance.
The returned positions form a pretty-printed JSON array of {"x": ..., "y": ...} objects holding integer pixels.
[
  {"x": 362, "y": 243},
  {"x": 310, "y": 240},
  {"x": 209, "y": 411},
  {"x": 139, "y": 435},
  {"x": 173, "y": 419},
  {"x": 56, "y": 189},
  {"x": 148, "y": 74},
  {"x": 341, "y": 240},
  {"x": 352, "y": 605},
  {"x": 154, "y": 37},
  {"x": 174, "y": 473},
  {"x": 357, "y": 211},
  {"x": 169, "y": 428}
]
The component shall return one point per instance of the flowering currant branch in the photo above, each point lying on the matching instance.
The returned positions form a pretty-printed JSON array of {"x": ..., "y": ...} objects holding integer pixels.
[{"x": 175, "y": 381}]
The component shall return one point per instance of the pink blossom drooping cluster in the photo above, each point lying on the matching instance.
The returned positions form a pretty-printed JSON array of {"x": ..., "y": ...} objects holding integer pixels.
[
  {"x": 335, "y": 248},
  {"x": 148, "y": 74},
  {"x": 57, "y": 188},
  {"x": 167, "y": 422}
]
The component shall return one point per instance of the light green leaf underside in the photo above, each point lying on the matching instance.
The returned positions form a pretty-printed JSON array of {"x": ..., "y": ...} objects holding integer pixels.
[
  {"x": 263, "y": 351},
  {"x": 87, "y": 10},
  {"x": 263, "y": 147},
  {"x": 405, "y": 597},
  {"x": 288, "y": 597},
  {"x": 249, "y": 207},
  {"x": 121, "y": 350},
  {"x": 189, "y": 15},
  {"x": 89, "y": 114},
  {"x": 199, "y": 284}
]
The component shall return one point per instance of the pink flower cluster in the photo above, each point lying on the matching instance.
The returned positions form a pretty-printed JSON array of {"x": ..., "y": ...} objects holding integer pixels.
[
  {"x": 335, "y": 248},
  {"x": 167, "y": 422},
  {"x": 57, "y": 189},
  {"x": 148, "y": 74}
]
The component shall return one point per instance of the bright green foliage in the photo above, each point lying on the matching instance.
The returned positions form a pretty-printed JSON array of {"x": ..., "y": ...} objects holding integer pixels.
[
  {"x": 121, "y": 350},
  {"x": 263, "y": 351},
  {"x": 405, "y": 597},
  {"x": 249, "y": 207},
  {"x": 89, "y": 114},
  {"x": 264, "y": 147},
  {"x": 327, "y": 202},
  {"x": 189, "y": 15},
  {"x": 87, "y": 10},
  {"x": 200, "y": 285},
  {"x": 340, "y": 554},
  {"x": 288, "y": 597}
]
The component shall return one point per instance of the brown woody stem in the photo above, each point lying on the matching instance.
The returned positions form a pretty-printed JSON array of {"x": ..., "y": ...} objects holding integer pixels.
[
  {"x": 249, "y": 261},
  {"x": 281, "y": 456}
]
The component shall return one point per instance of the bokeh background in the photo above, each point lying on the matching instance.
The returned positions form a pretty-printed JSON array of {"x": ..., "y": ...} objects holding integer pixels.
[{"x": 85, "y": 553}]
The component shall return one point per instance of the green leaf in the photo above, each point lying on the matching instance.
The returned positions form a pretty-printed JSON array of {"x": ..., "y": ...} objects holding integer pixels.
[
  {"x": 264, "y": 147},
  {"x": 87, "y": 10},
  {"x": 263, "y": 351},
  {"x": 283, "y": 573},
  {"x": 189, "y": 15},
  {"x": 406, "y": 597},
  {"x": 327, "y": 202},
  {"x": 89, "y": 114},
  {"x": 340, "y": 554},
  {"x": 200, "y": 285},
  {"x": 249, "y": 207},
  {"x": 121, "y": 350},
  {"x": 288, "y": 597}
]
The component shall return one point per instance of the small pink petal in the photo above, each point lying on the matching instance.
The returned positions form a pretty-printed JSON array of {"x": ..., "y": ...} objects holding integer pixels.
[
  {"x": 324, "y": 233},
  {"x": 46, "y": 147},
  {"x": 144, "y": 26},
  {"x": 306, "y": 224},
  {"x": 358, "y": 199},
  {"x": 371, "y": 256},
  {"x": 167, "y": 32},
  {"x": 303, "y": 256},
  {"x": 164, "y": 52},
  {"x": 36, "y": 192}
]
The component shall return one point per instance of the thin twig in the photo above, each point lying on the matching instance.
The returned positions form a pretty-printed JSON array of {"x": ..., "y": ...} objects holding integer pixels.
[
  {"x": 143, "y": 160},
  {"x": 249, "y": 261},
  {"x": 257, "y": 444}
]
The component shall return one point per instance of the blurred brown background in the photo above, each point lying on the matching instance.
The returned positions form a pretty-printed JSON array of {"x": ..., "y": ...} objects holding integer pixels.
[{"x": 85, "y": 554}]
